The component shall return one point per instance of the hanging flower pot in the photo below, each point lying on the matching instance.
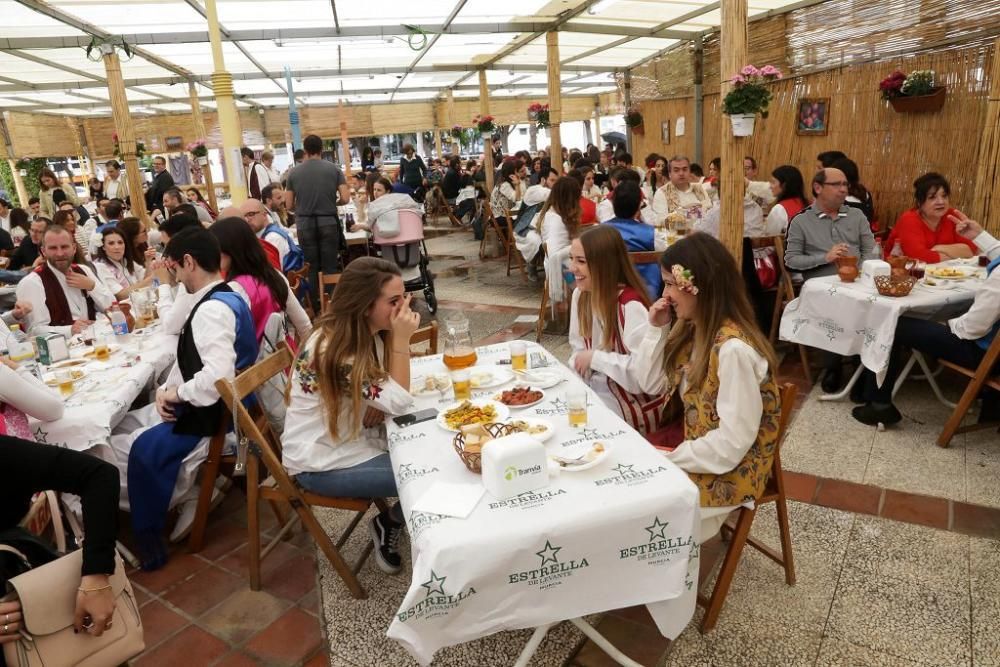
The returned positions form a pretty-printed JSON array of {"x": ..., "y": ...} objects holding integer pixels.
[
  {"x": 919, "y": 103},
  {"x": 203, "y": 161},
  {"x": 743, "y": 124}
]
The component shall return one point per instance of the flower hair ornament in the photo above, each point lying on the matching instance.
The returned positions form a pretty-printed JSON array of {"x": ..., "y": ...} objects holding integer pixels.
[{"x": 684, "y": 279}]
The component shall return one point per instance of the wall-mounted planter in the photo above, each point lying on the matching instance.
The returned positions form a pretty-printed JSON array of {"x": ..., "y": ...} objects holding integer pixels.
[{"x": 920, "y": 103}]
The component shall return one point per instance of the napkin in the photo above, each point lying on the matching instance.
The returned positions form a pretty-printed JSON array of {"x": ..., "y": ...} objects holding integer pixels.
[{"x": 456, "y": 499}]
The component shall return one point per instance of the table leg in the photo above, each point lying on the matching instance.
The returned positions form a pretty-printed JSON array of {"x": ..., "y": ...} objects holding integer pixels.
[
  {"x": 529, "y": 649},
  {"x": 929, "y": 376},
  {"x": 847, "y": 389}
]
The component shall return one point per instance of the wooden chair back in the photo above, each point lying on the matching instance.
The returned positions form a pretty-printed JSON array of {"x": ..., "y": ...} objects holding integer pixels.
[
  {"x": 774, "y": 491},
  {"x": 428, "y": 334},
  {"x": 645, "y": 257},
  {"x": 979, "y": 378},
  {"x": 513, "y": 254},
  {"x": 326, "y": 280},
  {"x": 265, "y": 447}
]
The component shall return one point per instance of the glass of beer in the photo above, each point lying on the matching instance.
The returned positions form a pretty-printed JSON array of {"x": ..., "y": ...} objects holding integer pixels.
[
  {"x": 461, "y": 383},
  {"x": 576, "y": 402},
  {"x": 102, "y": 348},
  {"x": 518, "y": 355},
  {"x": 64, "y": 377}
]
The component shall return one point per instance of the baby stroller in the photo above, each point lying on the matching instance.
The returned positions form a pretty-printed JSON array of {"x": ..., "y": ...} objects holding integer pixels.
[{"x": 408, "y": 251}]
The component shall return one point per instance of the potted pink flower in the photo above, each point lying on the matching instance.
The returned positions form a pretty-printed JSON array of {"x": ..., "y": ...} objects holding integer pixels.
[
  {"x": 748, "y": 97},
  {"x": 485, "y": 125},
  {"x": 199, "y": 151},
  {"x": 539, "y": 113}
]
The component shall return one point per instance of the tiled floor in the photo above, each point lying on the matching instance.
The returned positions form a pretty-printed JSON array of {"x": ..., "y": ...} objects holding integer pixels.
[{"x": 918, "y": 590}]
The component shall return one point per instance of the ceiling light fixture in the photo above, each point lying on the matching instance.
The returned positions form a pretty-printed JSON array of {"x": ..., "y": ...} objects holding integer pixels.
[{"x": 600, "y": 6}]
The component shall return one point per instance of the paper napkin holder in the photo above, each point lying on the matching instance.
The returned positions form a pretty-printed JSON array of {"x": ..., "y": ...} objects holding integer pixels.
[
  {"x": 52, "y": 348},
  {"x": 874, "y": 267},
  {"x": 514, "y": 464}
]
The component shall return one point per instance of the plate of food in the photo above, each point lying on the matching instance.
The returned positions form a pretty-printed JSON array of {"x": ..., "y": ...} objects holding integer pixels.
[
  {"x": 67, "y": 363},
  {"x": 431, "y": 384},
  {"x": 463, "y": 413},
  {"x": 539, "y": 429},
  {"x": 540, "y": 378},
  {"x": 952, "y": 272},
  {"x": 520, "y": 396},
  {"x": 581, "y": 457},
  {"x": 487, "y": 377},
  {"x": 53, "y": 381}
]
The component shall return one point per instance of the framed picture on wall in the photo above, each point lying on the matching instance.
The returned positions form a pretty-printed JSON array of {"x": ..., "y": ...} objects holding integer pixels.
[
  {"x": 174, "y": 143},
  {"x": 813, "y": 116},
  {"x": 665, "y": 131}
]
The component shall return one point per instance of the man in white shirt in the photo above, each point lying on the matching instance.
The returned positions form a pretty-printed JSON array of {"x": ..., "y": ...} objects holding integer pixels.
[
  {"x": 760, "y": 191},
  {"x": 115, "y": 183},
  {"x": 257, "y": 176},
  {"x": 267, "y": 160},
  {"x": 273, "y": 197},
  {"x": 606, "y": 208},
  {"x": 257, "y": 217},
  {"x": 963, "y": 340},
  {"x": 173, "y": 198},
  {"x": 680, "y": 194},
  {"x": 65, "y": 297},
  {"x": 159, "y": 447}
]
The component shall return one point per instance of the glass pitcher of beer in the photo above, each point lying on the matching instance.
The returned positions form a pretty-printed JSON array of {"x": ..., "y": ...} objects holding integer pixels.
[{"x": 458, "y": 349}]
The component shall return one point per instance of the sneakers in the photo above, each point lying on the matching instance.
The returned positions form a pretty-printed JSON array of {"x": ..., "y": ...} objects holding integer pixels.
[
  {"x": 385, "y": 533},
  {"x": 873, "y": 415},
  {"x": 189, "y": 508}
]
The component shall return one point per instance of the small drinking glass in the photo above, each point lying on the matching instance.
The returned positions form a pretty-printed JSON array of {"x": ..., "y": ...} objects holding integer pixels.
[
  {"x": 64, "y": 377},
  {"x": 576, "y": 403},
  {"x": 102, "y": 347},
  {"x": 461, "y": 383},
  {"x": 518, "y": 355}
]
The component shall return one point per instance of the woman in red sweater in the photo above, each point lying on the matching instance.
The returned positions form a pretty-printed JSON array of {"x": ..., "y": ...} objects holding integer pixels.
[{"x": 927, "y": 232}]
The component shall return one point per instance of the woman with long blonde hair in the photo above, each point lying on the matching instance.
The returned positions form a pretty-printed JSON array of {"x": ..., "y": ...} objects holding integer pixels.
[
  {"x": 334, "y": 441},
  {"x": 704, "y": 344},
  {"x": 609, "y": 317}
]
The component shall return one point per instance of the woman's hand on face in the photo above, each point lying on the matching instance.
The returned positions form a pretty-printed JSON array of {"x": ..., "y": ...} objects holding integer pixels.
[
  {"x": 404, "y": 321},
  {"x": 659, "y": 313},
  {"x": 94, "y": 610},
  {"x": 581, "y": 362},
  {"x": 10, "y": 621}
]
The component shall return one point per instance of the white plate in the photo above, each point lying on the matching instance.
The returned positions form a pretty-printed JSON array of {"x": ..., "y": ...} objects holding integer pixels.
[
  {"x": 67, "y": 363},
  {"x": 496, "y": 397},
  {"x": 52, "y": 380},
  {"x": 549, "y": 431},
  {"x": 572, "y": 452},
  {"x": 501, "y": 410},
  {"x": 540, "y": 378},
  {"x": 418, "y": 387},
  {"x": 487, "y": 377},
  {"x": 966, "y": 271}
]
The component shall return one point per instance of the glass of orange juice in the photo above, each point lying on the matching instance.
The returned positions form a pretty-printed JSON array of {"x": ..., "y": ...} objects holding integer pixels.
[{"x": 461, "y": 383}]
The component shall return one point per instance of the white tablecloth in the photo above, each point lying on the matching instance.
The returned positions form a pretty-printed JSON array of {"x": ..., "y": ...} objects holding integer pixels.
[
  {"x": 853, "y": 318},
  {"x": 617, "y": 535},
  {"x": 102, "y": 398}
]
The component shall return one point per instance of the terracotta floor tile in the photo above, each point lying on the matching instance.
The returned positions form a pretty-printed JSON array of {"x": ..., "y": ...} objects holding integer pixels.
[
  {"x": 238, "y": 659},
  {"x": 221, "y": 537},
  {"x": 191, "y": 646},
  {"x": 243, "y": 614},
  {"x": 848, "y": 496},
  {"x": 238, "y": 562},
  {"x": 142, "y": 596},
  {"x": 912, "y": 508},
  {"x": 310, "y": 602},
  {"x": 288, "y": 640},
  {"x": 976, "y": 520},
  {"x": 643, "y": 644},
  {"x": 204, "y": 590},
  {"x": 800, "y": 486},
  {"x": 292, "y": 579},
  {"x": 159, "y": 622},
  {"x": 321, "y": 659},
  {"x": 178, "y": 568}
]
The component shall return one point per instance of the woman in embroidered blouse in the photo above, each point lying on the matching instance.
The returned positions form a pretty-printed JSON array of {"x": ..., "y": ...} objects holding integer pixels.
[
  {"x": 117, "y": 268},
  {"x": 927, "y": 231},
  {"x": 340, "y": 391},
  {"x": 789, "y": 197},
  {"x": 714, "y": 356},
  {"x": 48, "y": 183},
  {"x": 249, "y": 273},
  {"x": 609, "y": 316},
  {"x": 561, "y": 217},
  {"x": 506, "y": 193}
]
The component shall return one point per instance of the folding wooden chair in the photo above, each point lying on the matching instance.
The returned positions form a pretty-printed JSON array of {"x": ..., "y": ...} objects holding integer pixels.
[
  {"x": 296, "y": 279},
  {"x": 784, "y": 293},
  {"x": 325, "y": 280},
  {"x": 513, "y": 254},
  {"x": 774, "y": 492},
  {"x": 543, "y": 306},
  {"x": 978, "y": 379},
  {"x": 279, "y": 486},
  {"x": 209, "y": 472},
  {"x": 491, "y": 223},
  {"x": 429, "y": 335}
]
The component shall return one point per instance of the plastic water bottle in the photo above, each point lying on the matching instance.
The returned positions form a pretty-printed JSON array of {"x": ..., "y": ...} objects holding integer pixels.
[
  {"x": 20, "y": 350},
  {"x": 118, "y": 322}
]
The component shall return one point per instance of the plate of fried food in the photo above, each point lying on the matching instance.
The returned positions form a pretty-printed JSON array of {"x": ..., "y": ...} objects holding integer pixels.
[
  {"x": 520, "y": 396},
  {"x": 539, "y": 429},
  {"x": 464, "y": 413},
  {"x": 951, "y": 272},
  {"x": 431, "y": 384}
]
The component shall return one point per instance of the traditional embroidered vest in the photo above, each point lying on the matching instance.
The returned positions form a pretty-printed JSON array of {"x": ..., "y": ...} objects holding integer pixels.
[
  {"x": 55, "y": 298},
  {"x": 643, "y": 412},
  {"x": 985, "y": 341},
  {"x": 674, "y": 199},
  {"x": 746, "y": 481},
  {"x": 296, "y": 257},
  {"x": 792, "y": 207},
  {"x": 640, "y": 237},
  {"x": 262, "y": 302},
  {"x": 204, "y": 420}
]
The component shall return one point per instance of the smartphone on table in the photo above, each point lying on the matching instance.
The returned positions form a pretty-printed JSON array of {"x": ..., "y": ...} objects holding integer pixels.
[{"x": 415, "y": 417}]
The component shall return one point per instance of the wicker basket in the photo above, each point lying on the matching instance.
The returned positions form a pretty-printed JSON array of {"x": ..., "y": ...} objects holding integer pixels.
[
  {"x": 474, "y": 460},
  {"x": 889, "y": 286}
]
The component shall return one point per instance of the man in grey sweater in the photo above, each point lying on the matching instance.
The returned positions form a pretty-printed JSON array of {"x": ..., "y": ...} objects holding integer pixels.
[
  {"x": 819, "y": 235},
  {"x": 827, "y": 230}
]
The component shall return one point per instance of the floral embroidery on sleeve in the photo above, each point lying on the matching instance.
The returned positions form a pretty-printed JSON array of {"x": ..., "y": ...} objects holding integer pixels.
[
  {"x": 308, "y": 382},
  {"x": 370, "y": 391}
]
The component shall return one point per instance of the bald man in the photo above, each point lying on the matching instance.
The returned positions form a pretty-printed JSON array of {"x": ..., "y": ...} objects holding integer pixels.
[
  {"x": 257, "y": 216},
  {"x": 273, "y": 257}
]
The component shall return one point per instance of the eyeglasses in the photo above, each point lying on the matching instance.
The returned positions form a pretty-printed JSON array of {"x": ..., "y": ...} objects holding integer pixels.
[
  {"x": 837, "y": 184},
  {"x": 248, "y": 216}
]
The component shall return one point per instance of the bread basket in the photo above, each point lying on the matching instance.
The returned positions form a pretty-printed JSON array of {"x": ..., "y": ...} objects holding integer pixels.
[
  {"x": 890, "y": 286},
  {"x": 474, "y": 460}
]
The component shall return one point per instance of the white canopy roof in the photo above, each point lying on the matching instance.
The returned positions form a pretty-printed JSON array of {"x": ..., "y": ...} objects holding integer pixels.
[{"x": 366, "y": 52}]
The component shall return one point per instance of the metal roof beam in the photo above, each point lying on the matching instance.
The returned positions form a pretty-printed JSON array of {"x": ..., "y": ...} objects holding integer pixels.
[{"x": 428, "y": 47}]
